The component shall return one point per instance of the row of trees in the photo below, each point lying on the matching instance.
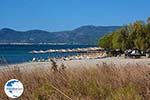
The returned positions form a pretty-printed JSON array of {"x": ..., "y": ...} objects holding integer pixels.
[{"x": 136, "y": 35}]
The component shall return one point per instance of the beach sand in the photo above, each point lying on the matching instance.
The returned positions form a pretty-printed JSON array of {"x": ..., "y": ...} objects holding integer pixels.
[{"x": 117, "y": 61}]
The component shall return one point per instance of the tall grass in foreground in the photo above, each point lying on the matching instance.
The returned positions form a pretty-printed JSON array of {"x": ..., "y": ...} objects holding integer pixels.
[{"x": 105, "y": 82}]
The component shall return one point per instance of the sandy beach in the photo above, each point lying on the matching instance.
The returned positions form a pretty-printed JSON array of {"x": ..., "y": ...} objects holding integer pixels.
[{"x": 117, "y": 61}]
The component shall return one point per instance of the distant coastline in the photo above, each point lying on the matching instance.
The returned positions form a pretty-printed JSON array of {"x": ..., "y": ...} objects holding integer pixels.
[{"x": 42, "y": 44}]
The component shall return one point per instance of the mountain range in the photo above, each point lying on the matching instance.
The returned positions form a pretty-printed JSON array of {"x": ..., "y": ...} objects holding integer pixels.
[{"x": 83, "y": 35}]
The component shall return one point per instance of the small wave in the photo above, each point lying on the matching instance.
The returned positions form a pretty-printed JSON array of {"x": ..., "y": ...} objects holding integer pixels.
[{"x": 68, "y": 50}]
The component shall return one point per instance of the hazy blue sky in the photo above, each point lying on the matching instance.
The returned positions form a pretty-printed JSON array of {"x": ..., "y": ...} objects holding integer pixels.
[{"x": 56, "y": 15}]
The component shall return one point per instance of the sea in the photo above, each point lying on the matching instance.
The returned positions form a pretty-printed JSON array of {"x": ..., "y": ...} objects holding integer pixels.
[{"x": 14, "y": 54}]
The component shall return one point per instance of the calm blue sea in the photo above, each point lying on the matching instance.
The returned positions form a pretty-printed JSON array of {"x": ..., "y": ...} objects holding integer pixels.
[{"x": 20, "y": 53}]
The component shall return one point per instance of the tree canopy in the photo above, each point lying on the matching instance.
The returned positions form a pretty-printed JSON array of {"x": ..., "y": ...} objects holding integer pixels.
[{"x": 135, "y": 35}]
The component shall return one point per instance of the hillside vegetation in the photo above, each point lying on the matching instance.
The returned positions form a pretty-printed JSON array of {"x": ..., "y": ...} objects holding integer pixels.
[
  {"x": 135, "y": 35},
  {"x": 82, "y": 35}
]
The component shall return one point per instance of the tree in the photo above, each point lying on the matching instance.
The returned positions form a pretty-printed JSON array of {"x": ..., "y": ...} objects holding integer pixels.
[
  {"x": 136, "y": 35},
  {"x": 119, "y": 39},
  {"x": 106, "y": 41}
]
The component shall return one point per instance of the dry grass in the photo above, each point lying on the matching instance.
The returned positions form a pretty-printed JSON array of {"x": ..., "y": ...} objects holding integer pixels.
[{"x": 106, "y": 82}]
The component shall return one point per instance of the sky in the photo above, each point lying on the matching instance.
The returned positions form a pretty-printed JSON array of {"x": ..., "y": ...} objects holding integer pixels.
[{"x": 58, "y": 15}]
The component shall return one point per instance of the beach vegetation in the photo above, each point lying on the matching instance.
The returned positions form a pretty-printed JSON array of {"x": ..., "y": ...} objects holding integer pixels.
[{"x": 104, "y": 82}]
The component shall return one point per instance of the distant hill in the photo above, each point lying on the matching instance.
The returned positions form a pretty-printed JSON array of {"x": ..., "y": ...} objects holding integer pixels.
[{"x": 82, "y": 35}]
